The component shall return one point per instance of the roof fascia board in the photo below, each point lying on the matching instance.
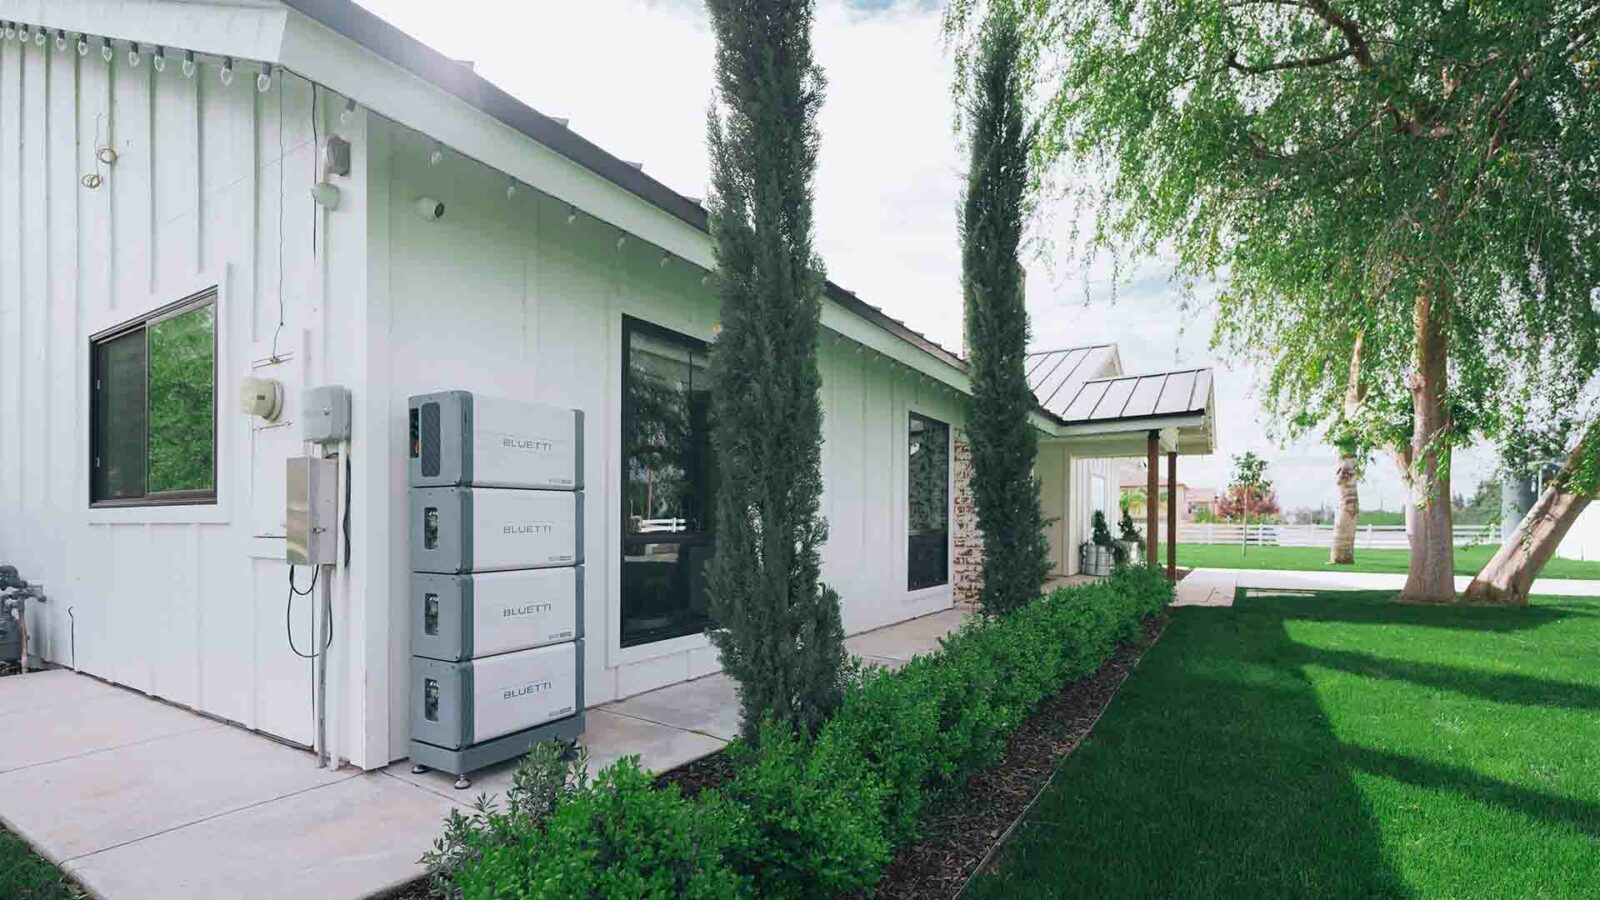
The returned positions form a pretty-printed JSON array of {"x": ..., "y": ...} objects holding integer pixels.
[
  {"x": 1122, "y": 426},
  {"x": 318, "y": 53},
  {"x": 243, "y": 31}
]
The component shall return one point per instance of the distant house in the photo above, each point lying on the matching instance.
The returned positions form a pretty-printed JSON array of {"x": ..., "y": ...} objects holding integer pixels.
[
  {"x": 1192, "y": 502},
  {"x": 178, "y": 213}
]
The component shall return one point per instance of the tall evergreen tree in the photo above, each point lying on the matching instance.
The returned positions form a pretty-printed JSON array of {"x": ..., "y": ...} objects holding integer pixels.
[
  {"x": 1015, "y": 560},
  {"x": 777, "y": 627}
]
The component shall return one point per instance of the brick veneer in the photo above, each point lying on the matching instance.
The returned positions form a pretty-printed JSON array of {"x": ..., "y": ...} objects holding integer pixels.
[{"x": 968, "y": 540}]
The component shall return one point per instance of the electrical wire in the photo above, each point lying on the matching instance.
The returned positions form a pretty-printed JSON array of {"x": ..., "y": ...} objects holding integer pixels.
[{"x": 288, "y": 614}]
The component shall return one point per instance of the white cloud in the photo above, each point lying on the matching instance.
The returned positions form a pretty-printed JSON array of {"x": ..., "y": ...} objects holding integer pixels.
[{"x": 634, "y": 76}]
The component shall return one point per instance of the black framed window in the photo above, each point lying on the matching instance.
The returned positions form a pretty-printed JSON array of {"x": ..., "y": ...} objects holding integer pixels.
[
  {"x": 928, "y": 504},
  {"x": 669, "y": 473},
  {"x": 153, "y": 423}
]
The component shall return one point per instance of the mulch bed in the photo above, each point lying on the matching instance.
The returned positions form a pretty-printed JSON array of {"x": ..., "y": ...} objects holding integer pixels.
[
  {"x": 960, "y": 832},
  {"x": 706, "y": 772}
]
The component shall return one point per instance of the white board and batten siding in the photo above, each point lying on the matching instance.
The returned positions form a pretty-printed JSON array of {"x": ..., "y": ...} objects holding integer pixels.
[
  {"x": 209, "y": 188},
  {"x": 504, "y": 296}
]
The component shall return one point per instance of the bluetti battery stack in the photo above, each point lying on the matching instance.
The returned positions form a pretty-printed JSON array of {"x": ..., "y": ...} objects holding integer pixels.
[{"x": 496, "y": 533}]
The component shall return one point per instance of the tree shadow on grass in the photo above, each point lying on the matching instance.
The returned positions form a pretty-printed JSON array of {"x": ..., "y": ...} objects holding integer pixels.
[
  {"x": 1215, "y": 773},
  {"x": 1381, "y": 608},
  {"x": 1497, "y": 687}
]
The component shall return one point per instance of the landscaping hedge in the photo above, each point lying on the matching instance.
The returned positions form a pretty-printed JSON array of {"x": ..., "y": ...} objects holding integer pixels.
[{"x": 801, "y": 819}]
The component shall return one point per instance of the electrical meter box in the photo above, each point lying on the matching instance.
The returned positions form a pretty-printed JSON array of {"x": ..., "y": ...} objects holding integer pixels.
[
  {"x": 455, "y": 705},
  {"x": 462, "y": 438},
  {"x": 458, "y": 617},
  {"x": 465, "y": 529}
]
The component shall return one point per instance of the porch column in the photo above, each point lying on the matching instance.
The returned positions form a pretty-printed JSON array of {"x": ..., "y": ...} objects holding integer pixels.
[
  {"x": 1152, "y": 492},
  {"x": 1172, "y": 517}
]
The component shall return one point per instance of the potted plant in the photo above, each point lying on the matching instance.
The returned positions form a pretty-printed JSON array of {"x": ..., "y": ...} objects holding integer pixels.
[
  {"x": 1132, "y": 540},
  {"x": 1102, "y": 553}
]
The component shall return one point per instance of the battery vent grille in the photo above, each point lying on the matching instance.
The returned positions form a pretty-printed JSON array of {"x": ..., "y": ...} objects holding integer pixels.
[{"x": 430, "y": 439}]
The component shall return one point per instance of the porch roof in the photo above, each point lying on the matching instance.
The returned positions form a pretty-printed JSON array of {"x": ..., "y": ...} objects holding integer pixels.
[{"x": 1115, "y": 416}]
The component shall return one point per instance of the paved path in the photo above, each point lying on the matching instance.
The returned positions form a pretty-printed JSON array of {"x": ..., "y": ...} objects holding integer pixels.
[
  {"x": 1216, "y": 587},
  {"x": 137, "y": 798}
]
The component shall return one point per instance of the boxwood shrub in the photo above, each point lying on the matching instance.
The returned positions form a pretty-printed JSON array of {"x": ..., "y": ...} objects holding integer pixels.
[{"x": 821, "y": 817}]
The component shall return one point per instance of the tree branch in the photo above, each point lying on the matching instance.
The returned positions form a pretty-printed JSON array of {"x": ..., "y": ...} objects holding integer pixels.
[{"x": 1309, "y": 62}]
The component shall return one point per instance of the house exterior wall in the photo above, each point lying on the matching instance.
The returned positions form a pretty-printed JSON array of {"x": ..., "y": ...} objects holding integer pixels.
[
  {"x": 504, "y": 296},
  {"x": 208, "y": 188},
  {"x": 1583, "y": 540}
]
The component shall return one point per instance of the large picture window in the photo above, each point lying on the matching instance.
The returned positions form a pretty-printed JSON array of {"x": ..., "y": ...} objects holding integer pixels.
[
  {"x": 153, "y": 422},
  {"x": 668, "y": 472},
  {"x": 928, "y": 501}
]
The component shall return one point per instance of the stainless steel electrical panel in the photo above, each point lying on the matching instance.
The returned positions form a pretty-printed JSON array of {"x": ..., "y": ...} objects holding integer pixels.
[{"x": 312, "y": 512}]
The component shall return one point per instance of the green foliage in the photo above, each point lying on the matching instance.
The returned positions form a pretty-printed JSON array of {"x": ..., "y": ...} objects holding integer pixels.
[
  {"x": 1334, "y": 163},
  {"x": 182, "y": 402},
  {"x": 542, "y": 779},
  {"x": 778, "y": 629},
  {"x": 617, "y": 837},
  {"x": 816, "y": 817},
  {"x": 1130, "y": 531},
  {"x": 24, "y": 875},
  {"x": 1004, "y": 488},
  {"x": 802, "y": 816},
  {"x": 1101, "y": 537}
]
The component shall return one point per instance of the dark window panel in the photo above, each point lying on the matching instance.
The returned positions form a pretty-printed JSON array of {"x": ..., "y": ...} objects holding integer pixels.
[
  {"x": 119, "y": 417},
  {"x": 669, "y": 475},
  {"x": 928, "y": 503}
]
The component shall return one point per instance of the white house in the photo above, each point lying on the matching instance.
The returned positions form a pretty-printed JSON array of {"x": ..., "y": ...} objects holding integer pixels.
[{"x": 159, "y": 242}]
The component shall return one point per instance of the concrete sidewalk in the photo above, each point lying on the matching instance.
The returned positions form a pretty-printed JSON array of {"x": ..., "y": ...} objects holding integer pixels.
[
  {"x": 136, "y": 798},
  {"x": 1216, "y": 587}
]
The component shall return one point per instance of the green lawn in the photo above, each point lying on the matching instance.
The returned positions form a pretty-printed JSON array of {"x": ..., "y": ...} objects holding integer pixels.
[
  {"x": 26, "y": 876},
  {"x": 1469, "y": 560},
  {"x": 1334, "y": 745}
]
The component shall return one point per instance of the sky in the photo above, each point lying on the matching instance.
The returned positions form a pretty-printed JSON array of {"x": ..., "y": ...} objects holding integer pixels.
[{"x": 634, "y": 76}]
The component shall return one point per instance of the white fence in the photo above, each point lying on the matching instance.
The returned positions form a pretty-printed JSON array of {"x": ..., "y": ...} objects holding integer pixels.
[{"x": 1368, "y": 537}]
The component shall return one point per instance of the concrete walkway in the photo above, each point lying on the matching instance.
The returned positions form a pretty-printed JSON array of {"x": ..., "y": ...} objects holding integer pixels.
[
  {"x": 136, "y": 798},
  {"x": 1216, "y": 587}
]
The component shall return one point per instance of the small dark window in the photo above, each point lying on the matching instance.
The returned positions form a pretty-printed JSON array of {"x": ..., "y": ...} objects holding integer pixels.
[
  {"x": 153, "y": 423},
  {"x": 668, "y": 474},
  {"x": 928, "y": 504}
]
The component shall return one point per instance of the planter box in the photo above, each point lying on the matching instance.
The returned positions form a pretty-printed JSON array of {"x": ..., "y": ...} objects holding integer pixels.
[{"x": 1097, "y": 560}]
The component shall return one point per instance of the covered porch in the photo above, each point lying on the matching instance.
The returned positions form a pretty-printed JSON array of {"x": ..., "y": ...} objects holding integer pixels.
[{"x": 1155, "y": 417}]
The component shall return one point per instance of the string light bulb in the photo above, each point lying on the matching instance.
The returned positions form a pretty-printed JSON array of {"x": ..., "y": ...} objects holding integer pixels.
[
  {"x": 348, "y": 113},
  {"x": 22, "y": 34},
  {"x": 665, "y": 258},
  {"x": 133, "y": 55},
  {"x": 227, "y": 72},
  {"x": 61, "y": 41},
  {"x": 83, "y": 45},
  {"x": 264, "y": 80},
  {"x": 159, "y": 60},
  {"x": 572, "y": 214},
  {"x": 437, "y": 156},
  {"x": 39, "y": 37},
  {"x": 511, "y": 189},
  {"x": 188, "y": 64},
  {"x": 106, "y": 53},
  {"x": 11, "y": 30}
]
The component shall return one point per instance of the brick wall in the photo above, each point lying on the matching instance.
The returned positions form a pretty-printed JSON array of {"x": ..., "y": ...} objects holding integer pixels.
[{"x": 968, "y": 540}]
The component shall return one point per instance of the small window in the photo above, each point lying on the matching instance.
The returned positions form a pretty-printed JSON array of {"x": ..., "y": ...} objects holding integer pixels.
[
  {"x": 928, "y": 500},
  {"x": 153, "y": 423},
  {"x": 668, "y": 474}
]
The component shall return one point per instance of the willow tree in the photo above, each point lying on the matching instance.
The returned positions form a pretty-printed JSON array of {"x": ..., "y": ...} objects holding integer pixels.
[
  {"x": 993, "y": 212},
  {"x": 777, "y": 627},
  {"x": 1441, "y": 157}
]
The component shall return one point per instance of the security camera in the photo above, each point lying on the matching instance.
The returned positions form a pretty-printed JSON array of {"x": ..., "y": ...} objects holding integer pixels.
[{"x": 430, "y": 209}]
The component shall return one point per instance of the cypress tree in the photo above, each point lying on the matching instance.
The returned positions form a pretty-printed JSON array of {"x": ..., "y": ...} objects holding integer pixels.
[
  {"x": 1004, "y": 488},
  {"x": 777, "y": 627}
]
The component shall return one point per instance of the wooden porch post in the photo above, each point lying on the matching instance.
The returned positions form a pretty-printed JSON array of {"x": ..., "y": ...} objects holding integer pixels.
[
  {"x": 1152, "y": 492},
  {"x": 1172, "y": 517}
]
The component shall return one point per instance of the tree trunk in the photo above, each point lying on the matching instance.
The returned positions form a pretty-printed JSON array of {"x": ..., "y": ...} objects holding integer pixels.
[
  {"x": 1431, "y": 575},
  {"x": 1343, "y": 551},
  {"x": 1508, "y": 577}
]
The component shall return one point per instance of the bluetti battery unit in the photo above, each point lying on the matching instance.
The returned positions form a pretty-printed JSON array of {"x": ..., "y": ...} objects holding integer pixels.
[
  {"x": 460, "y": 438},
  {"x": 458, "y": 617},
  {"x": 463, "y": 529}
]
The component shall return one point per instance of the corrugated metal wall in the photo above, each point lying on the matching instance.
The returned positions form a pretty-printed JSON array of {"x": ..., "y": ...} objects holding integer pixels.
[{"x": 187, "y": 604}]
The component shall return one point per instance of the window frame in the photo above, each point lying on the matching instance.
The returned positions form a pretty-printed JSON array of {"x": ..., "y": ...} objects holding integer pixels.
[
  {"x": 209, "y": 296},
  {"x": 949, "y": 502},
  {"x": 632, "y": 325}
]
